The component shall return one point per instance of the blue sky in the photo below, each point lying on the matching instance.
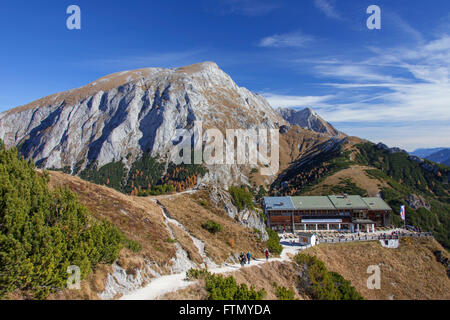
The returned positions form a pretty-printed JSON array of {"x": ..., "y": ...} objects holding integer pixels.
[{"x": 390, "y": 85}]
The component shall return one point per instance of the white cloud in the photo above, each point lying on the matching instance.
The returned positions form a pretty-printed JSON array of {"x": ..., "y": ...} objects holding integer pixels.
[
  {"x": 328, "y": 8},
  {"x": 399, "y": 95},
  {"x": 295, "y": 39},
  {"x": 353, "y": 72},
  {"x": 401, "y": 24},
  {"x": 419, "y": 91}
]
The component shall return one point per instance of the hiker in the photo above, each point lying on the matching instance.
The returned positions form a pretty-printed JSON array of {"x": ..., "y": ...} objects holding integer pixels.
[
  {"x": 267, "y": 254},
  {"x": 244, "y": 260},
  {"x": 249, "y": 257}
]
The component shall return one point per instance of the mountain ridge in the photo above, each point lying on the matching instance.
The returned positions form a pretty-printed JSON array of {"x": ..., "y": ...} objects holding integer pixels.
[
  {"x": 124, "y": 116},
  {"x": 425, "y": 152},
  {"x": 308, "y": 119},
  {"x": 131, "y": 112},
  {"x": 438, "y": 155}
]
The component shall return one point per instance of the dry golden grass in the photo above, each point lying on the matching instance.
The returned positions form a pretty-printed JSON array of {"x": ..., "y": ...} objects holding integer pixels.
[
  {"x": 284, "y": 274},
  {"x": 196, "y": 291},
  {"x": 409, "y": 272},
  {"x": 94, "y": 284},
  {"x": 186, "y": 242},
  {"x": 260, "y": 277},
  {"x": 139, "y": 218},
  {"x": 294, "y": 144},
  {"x": 358, "y": 176},
  {"x": 187, "y": 210}
]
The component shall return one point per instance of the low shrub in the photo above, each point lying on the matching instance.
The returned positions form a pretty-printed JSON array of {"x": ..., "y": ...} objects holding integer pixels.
[
  {"x": 133, "y": 245},
  {"x": 212, "y": 227},
  {"x": 283, "y": 293},
  {"x": 225, "y": 288},
  {"x": 325, "y": 285},
  {"x": 273, "y": 244},
  {"x": 196, "y": 274},
  {"x": 241, "y": 198},
  {"x": 156, "y": 191}
]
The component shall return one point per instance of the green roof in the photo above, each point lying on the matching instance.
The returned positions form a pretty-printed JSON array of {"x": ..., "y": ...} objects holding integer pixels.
[
  {"x": 312, "y": 203},
  {"x": 376, "y": 204},
  {"x": 348, "y": 202},
  {"x": 325, "y": 203}
]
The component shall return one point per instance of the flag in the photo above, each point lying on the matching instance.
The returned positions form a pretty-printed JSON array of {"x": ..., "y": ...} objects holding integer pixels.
[{"x": 403, "y": 213}]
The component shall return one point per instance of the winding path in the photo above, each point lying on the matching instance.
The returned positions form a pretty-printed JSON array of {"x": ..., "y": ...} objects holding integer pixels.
[
  {"x": 160, "y": 286},
  {"x": 171, "y": 283}
]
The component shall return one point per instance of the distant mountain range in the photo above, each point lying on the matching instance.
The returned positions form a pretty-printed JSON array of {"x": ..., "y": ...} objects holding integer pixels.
[{"x": 438, "y": 155}]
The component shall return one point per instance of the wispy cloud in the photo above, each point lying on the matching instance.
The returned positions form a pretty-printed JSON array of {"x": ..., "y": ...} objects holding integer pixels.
[
  {"x": 404, "y": 26},
  {"x": 409, "y": 86},
  {"x": 353, "y": 72},
  {"x": 328, "y": 8},
  {"x": 294, "y": 39}
]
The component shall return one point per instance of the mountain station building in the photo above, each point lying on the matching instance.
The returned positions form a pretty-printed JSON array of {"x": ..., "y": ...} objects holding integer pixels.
[{"x": 326, "y": 213}]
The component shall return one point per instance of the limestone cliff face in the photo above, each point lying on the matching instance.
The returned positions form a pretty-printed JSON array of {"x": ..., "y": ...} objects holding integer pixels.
[{"x": 122, "y": 115}]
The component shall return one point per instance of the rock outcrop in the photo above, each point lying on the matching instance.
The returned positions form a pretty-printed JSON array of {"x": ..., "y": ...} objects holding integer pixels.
[
  {"x": 249, "y": 218},
  {"x": 416, "y": 202}
]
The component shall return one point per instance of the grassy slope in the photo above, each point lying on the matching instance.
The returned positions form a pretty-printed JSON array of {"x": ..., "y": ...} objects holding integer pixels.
[
  {"x": 261, "y": 277},
  {"x": 141, "y": 220},
  {"x": 194, "y": 210},
  {"x": 409, "y": 272},
  {"x": 357, "y": 175}
]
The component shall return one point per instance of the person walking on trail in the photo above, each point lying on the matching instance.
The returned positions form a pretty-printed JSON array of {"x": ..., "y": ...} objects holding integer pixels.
[
  {"x": 266, "y": 253},
  {"x": 242, "y": 259},
  {"x": 249, "y": 257}
]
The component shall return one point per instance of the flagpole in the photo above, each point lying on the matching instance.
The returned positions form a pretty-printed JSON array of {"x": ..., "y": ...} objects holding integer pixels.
[{"x": 403, "y": 215}]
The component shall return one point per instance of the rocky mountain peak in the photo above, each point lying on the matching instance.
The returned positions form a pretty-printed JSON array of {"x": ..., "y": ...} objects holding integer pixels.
[
  {"x": 123, "y": 115},
  {"x": 308, "y": 119}
]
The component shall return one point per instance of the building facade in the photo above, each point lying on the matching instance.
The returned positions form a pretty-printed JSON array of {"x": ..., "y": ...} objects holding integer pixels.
[{"x": 326, "y": 213}]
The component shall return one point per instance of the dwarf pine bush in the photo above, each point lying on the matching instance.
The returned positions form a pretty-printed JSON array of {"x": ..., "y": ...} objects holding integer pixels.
[
  {"x": 43, "y": 232},
  {"x": 325, "y": 285}
]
